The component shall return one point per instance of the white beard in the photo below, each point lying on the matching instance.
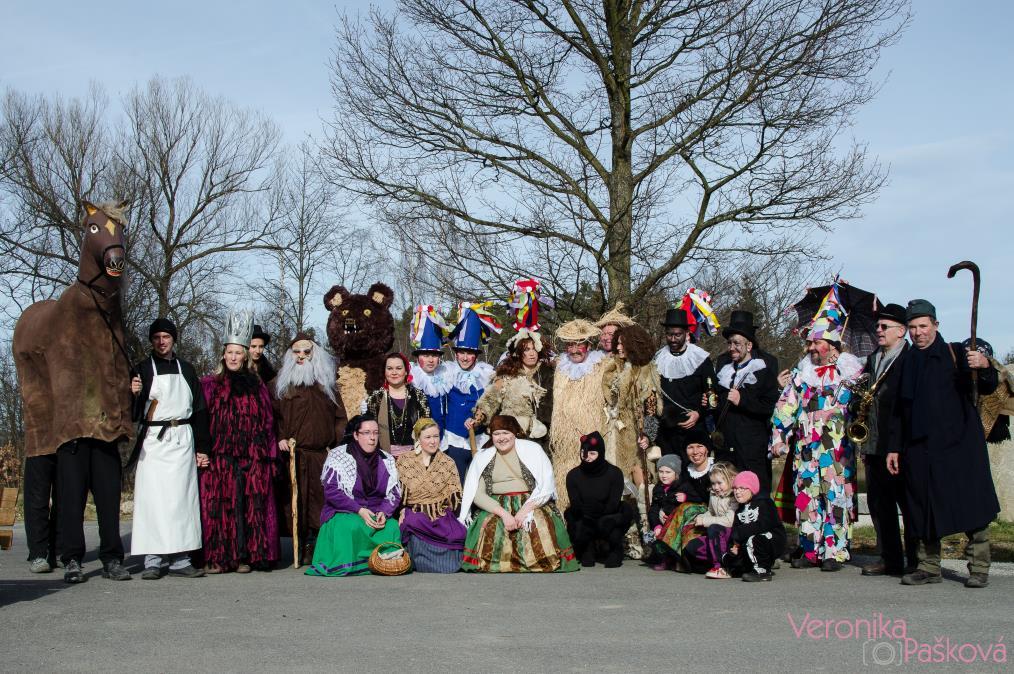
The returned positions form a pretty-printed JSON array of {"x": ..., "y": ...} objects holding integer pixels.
[{"x": 319, "y": 370}]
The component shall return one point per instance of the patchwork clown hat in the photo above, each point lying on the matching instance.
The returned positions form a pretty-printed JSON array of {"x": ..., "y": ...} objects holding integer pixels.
[
  {"x": 429, "y": 329},
  {"x": 829, "y": 321},
  {"x": 524, "y": 300},
  {"x": 701, "y": 317},
  {"x": 475, "y": 325}
]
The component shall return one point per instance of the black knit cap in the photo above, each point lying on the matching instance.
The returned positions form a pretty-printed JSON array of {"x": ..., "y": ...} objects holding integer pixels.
[
  {"x": 162, "y": 325},
  {"x": 697, "y": 437}
]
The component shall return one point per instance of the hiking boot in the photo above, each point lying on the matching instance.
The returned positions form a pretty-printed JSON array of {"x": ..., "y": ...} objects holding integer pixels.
[
  {"x": 751, "y": 577},
  {"x": 920, "y": 577},
  {"x": 151, "y": 573},
  {"x": 39, "y": 565},
  {"x": 72, "y": 572},
  {"x": 977, "y": 580},
  {"x": 830, "y": 565},
  {"x": 802, "y": 563},
  {"x": 114, "y": 571},
  {"x": 881, "y": 569},
  {"x": 188, "y": 571}
]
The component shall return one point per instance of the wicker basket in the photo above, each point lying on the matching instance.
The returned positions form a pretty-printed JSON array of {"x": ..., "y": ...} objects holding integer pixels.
[{"x": 389, "y": 567}]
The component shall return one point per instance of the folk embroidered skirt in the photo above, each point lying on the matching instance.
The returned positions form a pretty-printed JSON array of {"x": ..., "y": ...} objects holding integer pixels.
[
  {"x": 543, "y": 548},
  {"x": 344, "y": 545},
  {"x": 434, "y": 545},
  {"x": 679, "y": 528}
]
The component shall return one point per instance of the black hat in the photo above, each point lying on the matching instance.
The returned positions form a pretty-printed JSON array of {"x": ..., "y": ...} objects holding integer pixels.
[
  {"x": 741, "y": 323},
  {"x": 697, "y": 437},
  {"x": 258, "y": 333},
  {"x": 892, "y": 312},
  {"x": 162, "y": 325},
  {"x": 920, "y": 308},
  {"x": 676, "y": 318}
]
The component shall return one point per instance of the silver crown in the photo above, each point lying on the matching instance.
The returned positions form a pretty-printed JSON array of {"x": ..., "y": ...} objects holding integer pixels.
[{"x": 239, "y": 327}]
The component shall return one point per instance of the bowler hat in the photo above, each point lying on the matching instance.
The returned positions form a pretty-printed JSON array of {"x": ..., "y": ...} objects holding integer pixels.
[{"x": 892, "y": 312}]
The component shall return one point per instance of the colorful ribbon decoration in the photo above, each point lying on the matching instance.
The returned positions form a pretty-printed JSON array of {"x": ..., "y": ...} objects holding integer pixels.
[{"x": 700, "y": 315}]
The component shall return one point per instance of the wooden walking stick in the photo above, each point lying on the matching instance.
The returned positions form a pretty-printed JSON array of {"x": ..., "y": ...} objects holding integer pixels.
[
  {"x": 295, "y": 503},
  {"x": 471, "y": 441},
  {"x": 974, "y": 268}
]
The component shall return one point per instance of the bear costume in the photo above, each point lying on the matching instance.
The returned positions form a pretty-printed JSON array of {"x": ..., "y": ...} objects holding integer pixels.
[{"x": 360, "y": 330}]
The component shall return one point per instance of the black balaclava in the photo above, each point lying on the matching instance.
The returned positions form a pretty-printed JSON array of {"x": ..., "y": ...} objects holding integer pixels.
[{"x": 593, "y": 442}]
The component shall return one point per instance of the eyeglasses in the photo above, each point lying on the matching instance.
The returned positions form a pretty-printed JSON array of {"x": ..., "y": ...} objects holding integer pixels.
[
  {"x": 888, "y": 326},
  {"x": 741, "y": 488}
]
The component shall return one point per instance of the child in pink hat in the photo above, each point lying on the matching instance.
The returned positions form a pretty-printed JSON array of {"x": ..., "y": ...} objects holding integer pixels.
[{"x": 758, "y": 537}]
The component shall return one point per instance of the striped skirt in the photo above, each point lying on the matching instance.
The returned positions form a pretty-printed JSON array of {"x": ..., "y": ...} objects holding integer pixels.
[{"x": 544, "y": 548}]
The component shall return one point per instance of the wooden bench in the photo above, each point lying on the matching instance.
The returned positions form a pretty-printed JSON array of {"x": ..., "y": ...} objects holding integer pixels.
[{"x": 8, "y": 503}]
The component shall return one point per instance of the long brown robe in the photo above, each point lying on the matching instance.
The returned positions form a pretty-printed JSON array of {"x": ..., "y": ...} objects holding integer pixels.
[{"x": 317, "y": 423}]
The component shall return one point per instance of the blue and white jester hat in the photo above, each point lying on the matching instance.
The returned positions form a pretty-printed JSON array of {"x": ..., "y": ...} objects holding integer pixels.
[
  {"x": 428, "y": 330},
  {"x": 474, "y": 327}
]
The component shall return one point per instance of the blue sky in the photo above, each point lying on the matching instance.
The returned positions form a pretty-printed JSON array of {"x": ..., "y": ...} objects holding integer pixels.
[{"x": 941, "y": 121}]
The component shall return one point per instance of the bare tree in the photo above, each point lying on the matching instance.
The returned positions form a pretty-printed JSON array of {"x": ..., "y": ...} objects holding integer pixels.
[
  {"x": 199, "y": 172},
  {"x": 617, "y": 141},
  {"x": 313, "y": 243}
]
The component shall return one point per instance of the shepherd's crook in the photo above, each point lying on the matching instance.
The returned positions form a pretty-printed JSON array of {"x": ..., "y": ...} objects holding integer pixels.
[{"x": 974, "y": 268}]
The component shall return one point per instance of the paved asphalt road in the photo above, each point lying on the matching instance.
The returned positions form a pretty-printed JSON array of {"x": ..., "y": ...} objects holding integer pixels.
[{"x": 629, "y": 619}]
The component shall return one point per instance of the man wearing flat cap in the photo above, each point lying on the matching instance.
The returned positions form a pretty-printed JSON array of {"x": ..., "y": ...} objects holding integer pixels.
[
  {"x": 885, "y": 492},
  {"x": 937, "y": 442}
]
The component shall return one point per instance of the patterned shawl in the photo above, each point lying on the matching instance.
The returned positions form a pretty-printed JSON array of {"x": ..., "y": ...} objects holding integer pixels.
[{"x": 431, "y": 490}]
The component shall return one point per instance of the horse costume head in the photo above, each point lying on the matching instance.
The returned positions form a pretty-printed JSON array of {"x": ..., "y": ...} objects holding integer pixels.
[
  {"x": 103, "y": 254},
  {"x": 71, "y": 392}
]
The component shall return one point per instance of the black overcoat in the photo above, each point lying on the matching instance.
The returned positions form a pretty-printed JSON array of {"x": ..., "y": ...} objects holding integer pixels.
[
  {"x": 746, "y": 428},
  {"x": 949, "y": 487}
]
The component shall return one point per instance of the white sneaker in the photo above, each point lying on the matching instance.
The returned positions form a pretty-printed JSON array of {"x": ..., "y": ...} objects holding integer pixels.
[{"x": 39, "y": 565}]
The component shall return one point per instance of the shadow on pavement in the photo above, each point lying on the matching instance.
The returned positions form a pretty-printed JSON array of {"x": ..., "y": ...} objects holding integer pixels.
[{"x": 14, "y": 591}]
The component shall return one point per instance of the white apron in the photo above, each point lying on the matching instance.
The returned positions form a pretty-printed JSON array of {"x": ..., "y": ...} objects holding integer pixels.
[{"x": 167, "y": 508}]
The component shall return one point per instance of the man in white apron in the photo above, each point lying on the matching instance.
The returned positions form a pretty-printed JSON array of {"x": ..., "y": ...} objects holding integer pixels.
[{"x": 171, "y": 408}]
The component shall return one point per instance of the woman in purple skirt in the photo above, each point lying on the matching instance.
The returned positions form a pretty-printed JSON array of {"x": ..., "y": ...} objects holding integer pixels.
[{"x": 431, "y": 493}]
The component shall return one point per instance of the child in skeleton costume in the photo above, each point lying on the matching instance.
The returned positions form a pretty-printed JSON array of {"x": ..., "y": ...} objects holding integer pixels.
[
  {"x": 809, "y": 426},
  {"x": 685, "y": 372},
  {"x": 468, "y": 378},
  {"x": 522, "y": 388},
  {"x": 577, "y": 399},
  {"x": 173, "y": 442},
  {"x": 429, "y": 372}
]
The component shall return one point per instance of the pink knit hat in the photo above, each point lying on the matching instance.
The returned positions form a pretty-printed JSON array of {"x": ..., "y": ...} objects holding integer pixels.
[{"x": 747, "y": 479}]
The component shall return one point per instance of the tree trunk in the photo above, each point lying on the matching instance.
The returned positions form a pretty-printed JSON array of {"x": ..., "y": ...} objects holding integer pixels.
[{"x": 621, "y": 177}]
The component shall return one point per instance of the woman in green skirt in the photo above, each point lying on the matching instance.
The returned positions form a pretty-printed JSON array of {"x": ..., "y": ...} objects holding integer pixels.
[
  {"x": 514, "y": 525},
  {"x": 361, "y": 496}
]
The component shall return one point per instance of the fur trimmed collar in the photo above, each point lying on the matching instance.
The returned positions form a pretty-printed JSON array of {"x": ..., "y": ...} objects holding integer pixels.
[
  {"x": 679, "y": 365},
  {"x": 575, "y": 371},
  {"x": 745, "y": 375}
]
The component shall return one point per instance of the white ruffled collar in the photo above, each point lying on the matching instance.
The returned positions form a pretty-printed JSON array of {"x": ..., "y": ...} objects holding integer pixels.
[
  {"x": 479, "y": 376},
  {"x": 847, "y": 368},
  {"x": 574, "y": 371},
  {"x": 745, "y": 375},
  {"x": 694, "y": 473},
  {"x": 682, "y": 364},
  {"x": 433, "y": 384}
]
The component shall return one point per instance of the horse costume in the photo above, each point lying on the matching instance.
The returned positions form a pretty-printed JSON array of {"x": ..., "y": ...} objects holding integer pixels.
[{"x": 75, "y": 383}]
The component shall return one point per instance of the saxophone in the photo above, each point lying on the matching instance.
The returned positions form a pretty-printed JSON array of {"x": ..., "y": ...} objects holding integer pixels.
[{"x": 857, "y": 430}]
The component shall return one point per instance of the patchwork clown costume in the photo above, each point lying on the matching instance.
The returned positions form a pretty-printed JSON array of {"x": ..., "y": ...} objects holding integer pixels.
[{"x": 809, "y": 424}]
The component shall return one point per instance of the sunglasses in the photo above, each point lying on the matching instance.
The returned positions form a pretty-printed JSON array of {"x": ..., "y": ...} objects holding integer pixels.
[{"x": 888, "y": 326}]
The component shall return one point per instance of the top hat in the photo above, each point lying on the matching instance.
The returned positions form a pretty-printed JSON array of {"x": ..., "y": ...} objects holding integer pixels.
[
  {"x": 741, "y": 323},
  {"x": 676, "y": 318}
]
